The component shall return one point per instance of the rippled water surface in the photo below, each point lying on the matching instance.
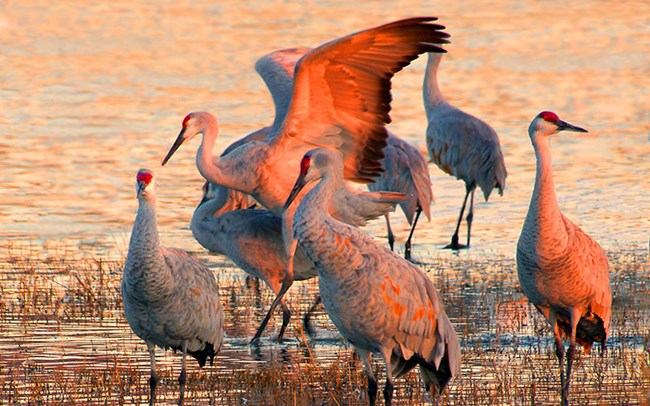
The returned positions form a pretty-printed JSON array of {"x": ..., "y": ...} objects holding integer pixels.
[{"x": 89, "y": 93}]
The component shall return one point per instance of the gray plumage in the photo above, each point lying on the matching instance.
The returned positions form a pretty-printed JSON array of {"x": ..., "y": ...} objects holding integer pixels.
[
  {"x": 405, "y": 171},
  {"x": 562, "y": 271},
  {"x": 379, "y": 301},
  {"x": 277, "y": 70},
  {"x": 461, "y": 145},
  {"x": 251, "y": 238},
  {"x": 170, "y": 298}
]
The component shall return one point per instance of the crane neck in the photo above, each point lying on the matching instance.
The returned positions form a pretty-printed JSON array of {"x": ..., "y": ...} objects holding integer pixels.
[
  {"x": 235, "y": 170},
  {"x": 208, "y": 166},
  {"x": 319, "y": 200},
  {"x": 205, "y": 156},
  {"x": 431, "y": 90},
  {"x": 207, "y": 218},
  {"x": 544, "y": 216},
  {"x": 144, "y": 248},
  {"x": 320, "y": 235}
]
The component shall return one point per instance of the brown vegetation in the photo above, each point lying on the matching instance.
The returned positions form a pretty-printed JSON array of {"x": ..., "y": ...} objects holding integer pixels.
[{"x": 64, "y": 339}]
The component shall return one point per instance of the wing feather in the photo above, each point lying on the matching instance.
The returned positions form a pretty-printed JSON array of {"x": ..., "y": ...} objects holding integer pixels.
[
  {"x": 277, "y": 69},
  {"x": 593, "y": 263},
  {"x": 423, "y": 328},
  {"x": 405, "y": 171},
  {"x": 198, "y": 294},
  {"x": 342, "y": 93}
]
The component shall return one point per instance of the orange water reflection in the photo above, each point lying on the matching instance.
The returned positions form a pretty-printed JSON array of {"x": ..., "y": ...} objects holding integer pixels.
[{"x": 90, "y": 94}]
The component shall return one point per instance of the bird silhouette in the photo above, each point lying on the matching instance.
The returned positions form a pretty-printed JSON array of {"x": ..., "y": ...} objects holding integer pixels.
[
  {"x": 251, "y": 238},
  {"x": 233, "y": 234},
  {"x": 340, "y": 99}
]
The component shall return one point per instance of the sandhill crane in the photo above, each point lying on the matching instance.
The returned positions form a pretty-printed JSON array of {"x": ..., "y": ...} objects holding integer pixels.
[
  {"x": 461, "y": 145},
  {"x": 252, "y": 239},
  {"x": 405, "y": 171},
  {"x": 170, "y": 299},
  {"x": 340, "y": 100},
  {"x": 379, "y": 301},
  {"x": 562, "y": 270}
]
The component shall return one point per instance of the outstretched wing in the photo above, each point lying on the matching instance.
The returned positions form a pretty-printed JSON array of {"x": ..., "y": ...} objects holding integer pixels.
[
  {"x": 341, "y": 97},
  {"x": 276, "y": 69}
]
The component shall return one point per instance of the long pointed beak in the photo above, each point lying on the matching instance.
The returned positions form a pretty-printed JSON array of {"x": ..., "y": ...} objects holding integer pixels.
[
  {"x": 179, "y": 140},
  {"x": 564, "y": 126},
  {"x": 300, "y": 183},
  {"x": 140, "y": 186}
]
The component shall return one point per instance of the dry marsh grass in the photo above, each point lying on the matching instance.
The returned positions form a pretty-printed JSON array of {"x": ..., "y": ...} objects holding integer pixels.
[{"x": 64, "y": 340}]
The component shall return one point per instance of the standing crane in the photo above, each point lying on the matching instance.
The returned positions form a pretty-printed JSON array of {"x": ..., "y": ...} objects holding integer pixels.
[
  {"x": 461, "y": 145},
  {"x": 170, "y": 298},
  {"x": 562, "y": 271},
  {"x": 379, "y": 301},
  {"x": 405, "y": 171},
  {"x": 252, "y": 239}
]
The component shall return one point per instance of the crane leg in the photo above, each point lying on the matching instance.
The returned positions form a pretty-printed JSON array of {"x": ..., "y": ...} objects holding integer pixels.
[
  {"x": 286, "y": 316},
  {"x": 575, "y": 318},
  {"x": 470, "y": 216},
  {"x": 391, "y": 236},
  {"x": 182, "y": 378},
  {"x": 407, "y": 245},
  {"x": 306, "y": 325},
  {"x": 372, "y": 382},
  {"x": 454, "y": 239},
  {"x": 559, "y": 348},
  {"x": 286, "y": 284},
  {"x": 153, "y": 380},
  {"x": 388, "y": 389}
]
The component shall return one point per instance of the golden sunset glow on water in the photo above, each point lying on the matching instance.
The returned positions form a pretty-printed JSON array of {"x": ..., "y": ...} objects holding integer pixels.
[{"x": 90, "y": 93}]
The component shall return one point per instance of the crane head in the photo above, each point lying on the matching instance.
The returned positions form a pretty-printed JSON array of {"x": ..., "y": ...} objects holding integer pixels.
[
  {"x": 193, "y": 124},
  {"x": 548, "y": 123},
  {"x": 144, "y": 179},
  {"x": 316, "y": 164},
  {"x": 301, "y": 182}
]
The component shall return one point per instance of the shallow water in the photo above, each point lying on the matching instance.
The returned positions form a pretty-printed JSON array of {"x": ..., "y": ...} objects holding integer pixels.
[
  {"x": 63, "y": 339},
  {"x": 90, "y": 94}
]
